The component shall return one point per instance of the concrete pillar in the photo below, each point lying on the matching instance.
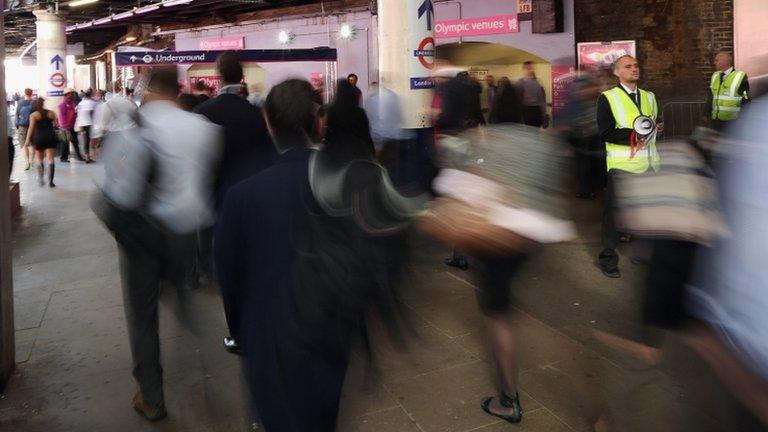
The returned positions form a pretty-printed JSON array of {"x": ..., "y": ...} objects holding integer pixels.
[
  {"x": 51, "y": 56},
  {"x": 406, "y": 56},
  {"x": 7, "y": 331}
]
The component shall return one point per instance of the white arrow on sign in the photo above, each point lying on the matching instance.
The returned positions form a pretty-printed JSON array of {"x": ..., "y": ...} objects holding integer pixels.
[{"x": 133, "y": 59}]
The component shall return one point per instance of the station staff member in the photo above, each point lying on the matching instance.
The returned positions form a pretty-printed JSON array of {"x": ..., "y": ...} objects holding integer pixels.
[
  {"x": 729, "y": 90},
  {"x": 617, "y": 110}
]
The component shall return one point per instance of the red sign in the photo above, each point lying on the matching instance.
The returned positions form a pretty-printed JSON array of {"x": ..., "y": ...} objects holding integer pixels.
[
  {"x": 57, "y": 80},
  {"x": 562, "y": 78},
  {"x": 594, "y": 55},
  {"x": 499, "y": 24},
  {"x": 224, "y": 43},
  {"x": 212, "y": 82},
  {"x": 426, "y": 51}
]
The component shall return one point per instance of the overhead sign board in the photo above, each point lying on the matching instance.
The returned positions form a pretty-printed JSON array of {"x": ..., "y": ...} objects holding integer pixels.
[
  {"x": 223, "y": 43},
  {"x": 157, "y": 58},
  {"x": 490, "y": 25}
]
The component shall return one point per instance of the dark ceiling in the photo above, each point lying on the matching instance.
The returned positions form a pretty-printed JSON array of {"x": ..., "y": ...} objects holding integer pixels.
[{"x": 20, "y": 22}]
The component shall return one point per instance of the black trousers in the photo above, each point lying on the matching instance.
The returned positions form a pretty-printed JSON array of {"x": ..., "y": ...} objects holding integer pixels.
[
  {"x": 590, "y": 167},
  {"x": 669, "y": 270},
  {"x": 64, "y": 146},
  {"x": 532, "y": 116},
  {"x": 87, "y": 141},
  {"x": 145, "y": 261},
  {"x": 609, "y": 235},
  {"x": 11, "y": 155}
]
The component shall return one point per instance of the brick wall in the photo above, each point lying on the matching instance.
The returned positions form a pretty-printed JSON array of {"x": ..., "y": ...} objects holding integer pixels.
[{"x": 676, "y": 40}]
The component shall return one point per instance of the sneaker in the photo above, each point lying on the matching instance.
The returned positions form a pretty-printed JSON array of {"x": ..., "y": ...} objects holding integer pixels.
[
  {"x": 151, "y": 413},
  {"x": 230, "y": 344}
]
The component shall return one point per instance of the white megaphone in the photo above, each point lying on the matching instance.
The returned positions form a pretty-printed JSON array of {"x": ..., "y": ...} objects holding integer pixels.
[{"x": 644, "y": 126}]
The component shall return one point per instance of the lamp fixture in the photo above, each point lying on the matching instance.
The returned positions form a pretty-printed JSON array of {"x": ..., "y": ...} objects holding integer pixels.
[
  {"x": 130, "y": 38},
  {"x": 285, "y": 37},
  {"x": 347, "y": 32},
  {"x": 76, "y": 3}
]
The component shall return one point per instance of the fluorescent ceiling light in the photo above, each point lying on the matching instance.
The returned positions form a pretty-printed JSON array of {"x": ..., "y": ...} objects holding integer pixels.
[
  {"x": 130, "y": 38},
  {"x": 102, "y": 21},
  {"x": 170, "y": 3},
  {"x": 146, "y": 9},
  {"x": 76, "y": 3},
  {"x": 122, "y": 15}
]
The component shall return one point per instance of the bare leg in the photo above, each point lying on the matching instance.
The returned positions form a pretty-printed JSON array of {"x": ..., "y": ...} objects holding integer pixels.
[
  {"x": 505, "y": 351},
  {"x": 747, "y": 386}
]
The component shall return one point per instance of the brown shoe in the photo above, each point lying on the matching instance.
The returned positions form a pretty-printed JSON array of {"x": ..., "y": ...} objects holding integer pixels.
[{"x": 151, "y": 413}]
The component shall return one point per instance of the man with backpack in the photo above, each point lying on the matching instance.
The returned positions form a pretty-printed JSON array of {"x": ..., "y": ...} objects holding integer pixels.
[{"x": 23, "y": 110}]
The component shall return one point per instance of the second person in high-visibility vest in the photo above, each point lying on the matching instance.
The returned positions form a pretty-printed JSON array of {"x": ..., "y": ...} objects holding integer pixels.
[
  {"x": 626, "y": 151},
  {"x": 729, "y": 90}
]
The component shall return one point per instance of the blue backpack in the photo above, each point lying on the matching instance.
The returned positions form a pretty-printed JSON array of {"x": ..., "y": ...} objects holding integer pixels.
[{"x": 23, "y": 111}]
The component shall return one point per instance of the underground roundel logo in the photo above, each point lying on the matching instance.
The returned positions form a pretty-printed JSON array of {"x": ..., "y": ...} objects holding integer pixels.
[
  {"x": 426, "y": 55},
  {"x": 147, "y": 58},
  {"x": 57, "y": 79}
]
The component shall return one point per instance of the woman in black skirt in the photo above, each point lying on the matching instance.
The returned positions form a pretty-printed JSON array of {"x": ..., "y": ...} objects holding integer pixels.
[{"x": 42, "y": 135}]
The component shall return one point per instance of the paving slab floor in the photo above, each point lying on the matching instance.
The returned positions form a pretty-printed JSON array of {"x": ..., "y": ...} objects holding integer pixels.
[{"x": 73, "y": 362}]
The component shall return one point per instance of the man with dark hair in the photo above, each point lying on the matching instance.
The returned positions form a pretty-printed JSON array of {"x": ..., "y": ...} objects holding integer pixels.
[
  {"x": 154, "y": 216},
  {"x": 267, "y": 220},
  {"x": 352, "y": 78},
  {"x": 247, "y": 150},
  {"x": 533, "y": 97}
]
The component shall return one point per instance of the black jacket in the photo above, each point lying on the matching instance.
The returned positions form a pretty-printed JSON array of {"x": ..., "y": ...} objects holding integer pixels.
[{"x": 248, "y": 147}]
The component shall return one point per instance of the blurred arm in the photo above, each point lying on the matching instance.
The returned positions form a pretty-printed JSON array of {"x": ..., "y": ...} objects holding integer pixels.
[{"x": 606, "y": 124}]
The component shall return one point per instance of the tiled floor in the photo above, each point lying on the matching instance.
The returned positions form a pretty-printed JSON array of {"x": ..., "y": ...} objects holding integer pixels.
[{"x": 73, "y": 359}]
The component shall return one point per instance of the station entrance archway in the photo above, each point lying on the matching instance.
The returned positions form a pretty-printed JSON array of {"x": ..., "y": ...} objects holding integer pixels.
[{"x": 483, "y": 58}]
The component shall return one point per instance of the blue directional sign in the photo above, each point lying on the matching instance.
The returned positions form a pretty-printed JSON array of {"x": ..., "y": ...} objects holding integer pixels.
[
  {"x": 427, "y": 8},
  {"x": 57, "y": 61}
]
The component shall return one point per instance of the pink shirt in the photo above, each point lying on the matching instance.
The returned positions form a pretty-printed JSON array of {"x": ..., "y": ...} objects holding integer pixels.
[{"x": 67, "y": 114}]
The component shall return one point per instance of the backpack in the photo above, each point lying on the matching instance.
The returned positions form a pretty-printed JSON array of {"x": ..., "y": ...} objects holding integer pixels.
[{"x": 24, "y": 110}]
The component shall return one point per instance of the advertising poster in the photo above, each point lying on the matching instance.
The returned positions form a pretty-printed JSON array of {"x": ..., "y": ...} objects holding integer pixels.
[
  {"x": 562, "y": 78},
  {"x": 594, "y": 55},
  {"x": 212, "y": 82}
]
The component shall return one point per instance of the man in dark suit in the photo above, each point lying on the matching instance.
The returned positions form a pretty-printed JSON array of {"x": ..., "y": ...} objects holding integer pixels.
[
  {"x": 248, "y": 149},
  {"x": 264, "y": 226}
]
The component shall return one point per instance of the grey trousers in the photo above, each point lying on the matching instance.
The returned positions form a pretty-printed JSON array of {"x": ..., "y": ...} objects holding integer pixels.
[{"x": 142, "y": 269}]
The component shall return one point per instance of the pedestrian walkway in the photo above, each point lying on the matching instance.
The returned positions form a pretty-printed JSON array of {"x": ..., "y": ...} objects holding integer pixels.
[{"x": 73, "y": 361}]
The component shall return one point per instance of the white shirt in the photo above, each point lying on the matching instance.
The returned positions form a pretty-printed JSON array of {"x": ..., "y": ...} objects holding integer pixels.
[
  {"x": 728, "y": 71},
  {"x": 85, "y": 112},
  {"x": 183, "y": 150},
  {"x": 117, "y": 114}
]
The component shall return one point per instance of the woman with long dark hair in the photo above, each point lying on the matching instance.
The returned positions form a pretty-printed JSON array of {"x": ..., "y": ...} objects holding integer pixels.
[
  {"x": 506, "y": 105},
  {"x": 42, "y": 135}
]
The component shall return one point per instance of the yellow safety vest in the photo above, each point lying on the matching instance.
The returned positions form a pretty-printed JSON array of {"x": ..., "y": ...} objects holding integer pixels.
[
  {"x": 726, "y": 100},
  {"x": 618, "y": 156}
]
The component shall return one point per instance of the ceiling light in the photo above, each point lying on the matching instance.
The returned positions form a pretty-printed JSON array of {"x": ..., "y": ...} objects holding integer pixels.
[
  {"x": 285, "y": 37},
  {"x": 130, "y": 38},
  {"x": 146, "y": 9},
  {"x": 76, "y": 3},
  {"x": 347, "y": 32}
]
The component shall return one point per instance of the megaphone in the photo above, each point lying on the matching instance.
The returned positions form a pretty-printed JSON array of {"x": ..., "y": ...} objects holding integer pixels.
[{"x": 644, "y": 125}]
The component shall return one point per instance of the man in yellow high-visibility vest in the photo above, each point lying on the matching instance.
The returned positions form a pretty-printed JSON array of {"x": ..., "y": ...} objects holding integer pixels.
[
  {"x": 729, "y": 89},
  {"x": 626, "y": 151}
]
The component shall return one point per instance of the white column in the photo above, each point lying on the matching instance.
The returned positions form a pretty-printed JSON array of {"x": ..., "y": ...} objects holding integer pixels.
[
  {"x": 51, "y": 56},
  {"x": 406, "y": 56}
]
